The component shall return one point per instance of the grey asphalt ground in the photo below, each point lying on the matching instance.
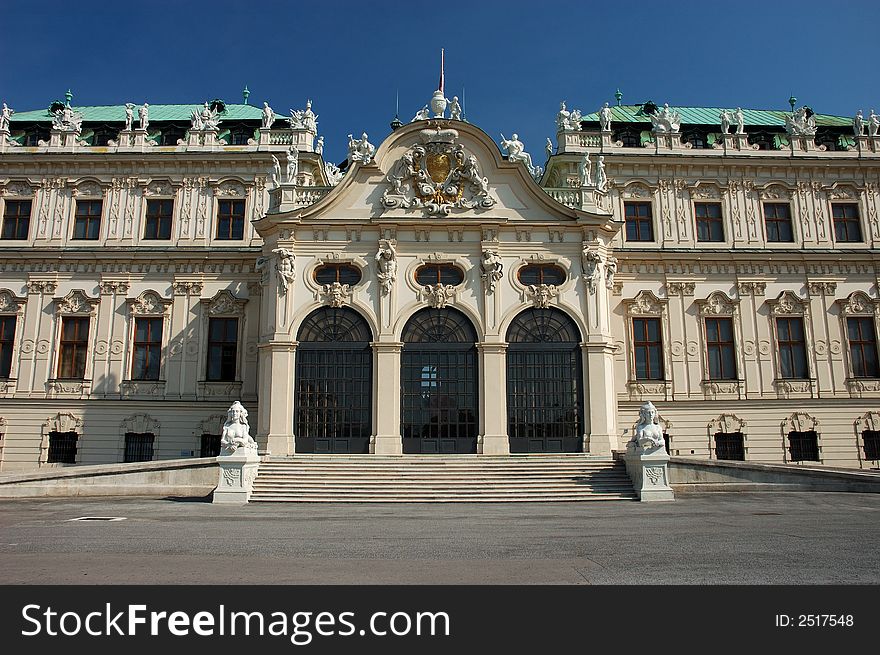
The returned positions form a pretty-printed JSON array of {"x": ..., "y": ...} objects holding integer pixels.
[{"x": 745, "y": 538}]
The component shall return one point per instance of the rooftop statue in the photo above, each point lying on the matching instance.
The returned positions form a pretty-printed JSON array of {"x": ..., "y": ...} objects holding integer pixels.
[
  {"x": 601, "y": 177},
  {"x": 236, "y": 431},
  {"x": 548, "y": 149},
  {"x": 725, "y": 121},
  {"x": 605, "y": 118},
  {"x": 195, "y": 120},
  {"x": 129, "y": 116},
  {"x": 333, "y": 173},
  {"x": 319, "y": 146},
  {"x": 666, "y": 120},
  {"x": 568, "y": 120},
  {"x": 801, "y": 123},
  {"x": 360, "y": 149},
  {"x": 516, "y": 152},
  {"x": 5, "y": 114},
  {"x": 209, "y": 118},
  {"x": 740, "y": 121},
  {"x": 304, "y": 119},
  {"x": 873, "y": 123},
  {"x": 455, "y": 109},
  {"x": 585, "y": 170},
  {"x": 67, "y": 120},
  {"x": 144, "y": 116},
  {"x": 648, "y": 433},
  {"x": 268, "y": 116},
  {"x": 276, "y": 171},
  {"x": 292, "y": 164},
  {"x": 858, "y": 124},
  {"x": 422, "y": 114}
]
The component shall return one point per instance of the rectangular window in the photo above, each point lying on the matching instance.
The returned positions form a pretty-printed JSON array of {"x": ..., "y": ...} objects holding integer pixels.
[
  {"x": 7, "y": 338},
  {"x": 709, "y": 225},
  {"x": 777, "y": 218},
  {"x": 862, "y": 347},
  {"x": 158, "y": 226},
  {"x": 16, "y": 219},
  {"x": 648, "y": 348},
  {"x": 639, "y": 221},
  {"x": 147, "y": 349},
  {"x": 792, "y": 348},
  {"x": 210, "y": 446},
  {"x": 720, "y": 349},
  {"x": 871, "y": 443},
  {"x": 62, "y": 448},
  {"x": 230, "y": 220},
  {"x": 87, "y": 223},
  {"x": 74, "y": 348},
  {"x": 222, "y": 348},
  {"x": 803, "y": 446},
  {"x": 139, "y": 447},
  {"x": 847, "y": 227},
  {"x": 730, "y": 445}
]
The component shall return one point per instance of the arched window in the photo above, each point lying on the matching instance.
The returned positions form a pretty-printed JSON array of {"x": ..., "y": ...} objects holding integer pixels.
[
  {"x": 438, "y": 395},
  {"x": 544, "y": 383},
  {"x": 334, "y": 383}
]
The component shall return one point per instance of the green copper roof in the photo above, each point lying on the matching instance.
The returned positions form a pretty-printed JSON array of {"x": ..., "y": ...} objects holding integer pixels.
[
  {"x": 116, "y": 113},
  {"x": 711, "y": 116}
]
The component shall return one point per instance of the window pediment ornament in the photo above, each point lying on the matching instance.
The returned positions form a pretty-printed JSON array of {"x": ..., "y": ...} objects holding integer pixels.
[
  {"x": 717, "y": 304},
  {"x": 88, "y": 189},
  {"x": 775, "y": 192},
  {"x": 637, "y": 190},
  {"x": 230, "y": 189},
  {"x": 800, "y": 422},
  {"x": 858, "y": 303},
  {"x": 140, "y": 423},
  {"x": 727, "y": 423},
  {"x": 159, "y": 188},
  {"x": 224, "y": 304},
  {"x": 645, "y": 304},
  {"x": 844, "y": 192},
  {"x": 868, "y": 421},
  {"x": 705, "y": 192},
  {"x": 437, "y": 175},
  {"x": 63, "y": 422},
  {"x": 10, "y": 303},
  {"x": 788, "y": 304},
  {"x": 149, "y": 303},
  {"x": 76, "y": 302},
  {"x": 17, "y": 190}
]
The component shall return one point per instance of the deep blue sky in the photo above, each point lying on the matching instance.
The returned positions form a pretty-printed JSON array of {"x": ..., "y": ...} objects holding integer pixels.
[{"x": 516, "y": 59}]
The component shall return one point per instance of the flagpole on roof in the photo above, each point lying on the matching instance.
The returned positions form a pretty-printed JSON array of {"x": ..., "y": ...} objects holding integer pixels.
[{"x": 442, "y": 56}]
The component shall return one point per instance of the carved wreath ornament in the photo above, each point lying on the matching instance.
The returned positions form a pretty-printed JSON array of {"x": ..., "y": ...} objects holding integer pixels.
[{"x": 438, "y": 176}]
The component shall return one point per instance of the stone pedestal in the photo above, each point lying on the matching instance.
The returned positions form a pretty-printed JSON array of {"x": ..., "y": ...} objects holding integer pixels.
[
  {"x": 237, "y": 474},
  {"x": 647, "y": 468}
]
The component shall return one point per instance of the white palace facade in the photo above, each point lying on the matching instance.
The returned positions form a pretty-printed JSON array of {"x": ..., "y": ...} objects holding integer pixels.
[{"x": 439, "y": 294}]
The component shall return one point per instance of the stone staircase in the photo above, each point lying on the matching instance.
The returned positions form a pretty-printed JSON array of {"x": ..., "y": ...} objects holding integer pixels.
[{"x": 441, "y": 479}]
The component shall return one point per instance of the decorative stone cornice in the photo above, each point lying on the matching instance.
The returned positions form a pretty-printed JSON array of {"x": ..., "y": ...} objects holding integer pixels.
[
  {"x": 680, "y": 288},
  {"x": 819, "y": 287},
  {"x": 188, "y": 288},
  {"x": 756, "y": 288},
  {"x": 109, "y": 287},
  {"x": 42, "y": 286}
]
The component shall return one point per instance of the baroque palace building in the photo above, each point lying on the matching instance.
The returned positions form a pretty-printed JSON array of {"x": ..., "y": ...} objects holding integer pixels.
[{"x": 438, "y": 294}]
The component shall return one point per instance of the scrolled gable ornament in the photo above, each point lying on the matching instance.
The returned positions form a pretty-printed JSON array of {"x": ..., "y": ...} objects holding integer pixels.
[{"x": 437, "y": 175}]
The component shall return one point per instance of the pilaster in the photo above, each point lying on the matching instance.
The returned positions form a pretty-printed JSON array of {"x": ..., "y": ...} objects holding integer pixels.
[
  {"x": 386, "y": 398},
  {"x": 600, "y": 414},
  {"x": 493, "y": 398}
]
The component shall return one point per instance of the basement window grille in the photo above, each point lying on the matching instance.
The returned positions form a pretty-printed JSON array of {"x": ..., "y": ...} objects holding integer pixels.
[
  {"x": 210, "y": 446},
  {"x": 803, "y": 446},
  {"x": 62, "y": 448},
  {"x": 730, "y": 446},
  {"x": 139, "y": 447},
  {"x": 871, "y": 444}
]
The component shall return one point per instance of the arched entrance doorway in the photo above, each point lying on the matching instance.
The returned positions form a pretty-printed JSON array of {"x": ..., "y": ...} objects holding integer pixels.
[
  {"x": 544, "y": 383},
  {"x": 333, "y": 394},
  {"x": 438, "y": 395}
]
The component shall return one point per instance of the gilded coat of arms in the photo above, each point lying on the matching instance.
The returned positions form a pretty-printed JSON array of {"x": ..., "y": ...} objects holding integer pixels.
[{"x": 438, "y": 176}]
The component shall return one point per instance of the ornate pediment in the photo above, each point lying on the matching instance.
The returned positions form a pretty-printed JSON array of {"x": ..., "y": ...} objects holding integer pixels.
[
  {"x": 727, "y": 423},
  {"x": 10, "y": 303},
  {"x": 788, "y": 304},
  {"x": 224, "y": 304},
  {"x": 76, "y": 302},
  {"x": 717, "y": 304},
  {"x": 858, "y": 303},
  {"x": 437, "y": 175},
  {"x": 149, "y": 303},
  {"x": 645, "y": 304},
  {"x": 800, "y": 422}
]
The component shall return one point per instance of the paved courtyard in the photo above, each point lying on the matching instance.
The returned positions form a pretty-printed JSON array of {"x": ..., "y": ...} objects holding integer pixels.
[{"x": 785, "y": 538}]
